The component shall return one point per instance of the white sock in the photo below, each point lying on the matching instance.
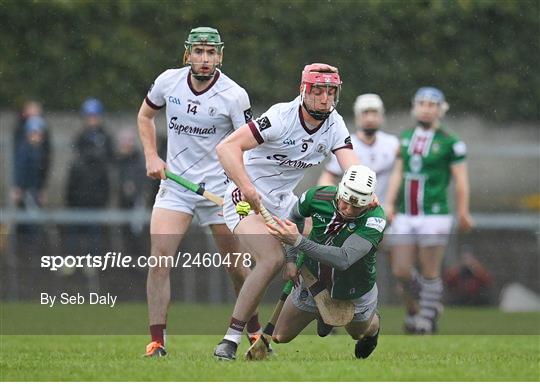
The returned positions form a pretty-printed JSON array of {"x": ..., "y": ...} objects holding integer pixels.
[{"x": 233, "y": 335}]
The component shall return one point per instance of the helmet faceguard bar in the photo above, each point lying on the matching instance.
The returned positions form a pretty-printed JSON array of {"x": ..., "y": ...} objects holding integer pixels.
[
  {"x": 219, "y": 46},
  {"x": 320, "y": 76},
  {"x": 205, "y": 36}
]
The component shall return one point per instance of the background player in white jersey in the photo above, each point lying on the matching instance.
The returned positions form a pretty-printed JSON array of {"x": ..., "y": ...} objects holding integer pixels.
[
  {"x": 266, "y": 159},
  {"x": 429, "y": 156},
  {"x": 203, "y": 106},
  {"x": 375, "y": 149}
]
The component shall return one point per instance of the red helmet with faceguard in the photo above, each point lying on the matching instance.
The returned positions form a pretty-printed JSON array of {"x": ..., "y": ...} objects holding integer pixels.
[{"x": 320, "y": 75}]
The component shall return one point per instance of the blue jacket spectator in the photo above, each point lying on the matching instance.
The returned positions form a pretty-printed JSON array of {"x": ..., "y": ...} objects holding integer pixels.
[{"x": 30, "y": 154}]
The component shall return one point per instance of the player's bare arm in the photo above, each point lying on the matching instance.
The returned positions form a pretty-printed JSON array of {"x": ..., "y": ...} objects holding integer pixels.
[
  {"x": 461, "y": 180},
  {"x": 327, "y": 178},
  {"x": 230, "y": 153},
  {"x": 346, "y": 157},
  {"x": 155, "y": 166},
  {"x": 393, "y": 188}
]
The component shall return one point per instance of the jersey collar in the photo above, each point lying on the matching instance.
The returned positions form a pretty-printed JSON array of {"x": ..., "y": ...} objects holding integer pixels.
[
  {"x": 310, "y": 132},
  {"x": 216, "y": 77}
]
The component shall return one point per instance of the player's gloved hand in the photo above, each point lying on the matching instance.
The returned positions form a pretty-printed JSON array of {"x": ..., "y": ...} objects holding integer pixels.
[
  {"x": 465, "y": 222},
  {"x": 285, "y": 231},
  {"x": 155, "y": 167},
  {"x": 291, "y": 272},
  {"x": 251, "y": 195}
]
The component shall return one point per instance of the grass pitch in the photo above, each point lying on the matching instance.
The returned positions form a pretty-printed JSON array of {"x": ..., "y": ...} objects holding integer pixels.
[{"x": 307, "y": 358}]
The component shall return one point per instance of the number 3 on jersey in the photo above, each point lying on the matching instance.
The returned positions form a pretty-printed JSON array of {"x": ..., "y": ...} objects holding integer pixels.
[{"x": 191, "y": 109}]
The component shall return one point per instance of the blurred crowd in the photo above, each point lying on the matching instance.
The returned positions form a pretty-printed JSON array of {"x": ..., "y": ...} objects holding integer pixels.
[
  {"x": 104, "y": 172},
  {"x": 97, "y": 158}
]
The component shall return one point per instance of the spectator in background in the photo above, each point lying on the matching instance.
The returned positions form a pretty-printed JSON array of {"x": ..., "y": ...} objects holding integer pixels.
[
  {"x": 88, "y": 181},
  {"x": 94, "y": 141},
  {"x": 88, "y": 184},
  {"x": 469, "y": 281},
  {"x": 132, "y": 186},
  {"x": 29, "y": 110},
  {"x": 28, "y": 192},
  {"x": 29, "y": 174}
]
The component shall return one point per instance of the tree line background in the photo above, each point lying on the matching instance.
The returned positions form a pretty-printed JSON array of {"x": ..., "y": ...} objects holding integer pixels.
[{"x": 483, "y": 54}]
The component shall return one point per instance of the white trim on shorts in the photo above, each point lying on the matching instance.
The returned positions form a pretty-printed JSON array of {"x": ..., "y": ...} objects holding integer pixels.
[
  {"x": 173, "y": 197},
  {"x": 424, "y": 230}
]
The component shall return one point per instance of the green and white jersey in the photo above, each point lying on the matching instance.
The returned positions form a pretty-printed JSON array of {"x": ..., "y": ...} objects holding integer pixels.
[
  {"x": 427, "y": 157},
  {"x": 330, "y": 229}
]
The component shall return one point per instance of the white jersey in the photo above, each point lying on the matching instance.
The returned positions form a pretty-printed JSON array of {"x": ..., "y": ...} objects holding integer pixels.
[
  {"x": 287, "y": 148},
  {"x": 197, "y": 122},
  {"x": 379, "y": 156}
]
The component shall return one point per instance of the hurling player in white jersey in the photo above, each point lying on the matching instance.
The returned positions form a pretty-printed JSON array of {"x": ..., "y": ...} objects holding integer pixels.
[
  {"x": 375, "y": 149},
  {"x": 266, "y": 159},
  {"x": 203, "y": 106}
]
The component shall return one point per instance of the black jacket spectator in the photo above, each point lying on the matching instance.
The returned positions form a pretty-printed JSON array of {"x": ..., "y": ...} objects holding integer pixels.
[{"x": 88, "y": 182}]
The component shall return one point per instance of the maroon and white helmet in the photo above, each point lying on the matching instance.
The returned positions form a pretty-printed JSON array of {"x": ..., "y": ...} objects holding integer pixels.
[
  {"x": 320, "y": 75},
  {"x": 357, "y": 186}
]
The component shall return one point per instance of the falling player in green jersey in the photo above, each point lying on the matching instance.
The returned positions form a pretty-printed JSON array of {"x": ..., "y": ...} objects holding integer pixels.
[
  {"x": 429, "y": 156},
  {"x": 340, "y": 251}
]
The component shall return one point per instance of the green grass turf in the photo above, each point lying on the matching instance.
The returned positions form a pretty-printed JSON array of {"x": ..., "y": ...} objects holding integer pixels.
[
  {"x": 307, "y": 358},
  {"x": 495, "y": 350},
  {"x": 205, "y": 319}
]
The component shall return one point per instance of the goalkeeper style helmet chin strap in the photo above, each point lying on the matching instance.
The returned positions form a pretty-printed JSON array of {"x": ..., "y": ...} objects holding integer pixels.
[
  {"x": 324, "y": 76},
  {"x": 357, "y": 187},
  {"x": 203, "y": 36}
]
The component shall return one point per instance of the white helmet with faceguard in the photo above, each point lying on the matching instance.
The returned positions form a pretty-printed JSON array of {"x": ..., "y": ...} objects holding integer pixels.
[
  {"x": 357, "y": 186},
  {"x": 320, "y": 75},
  {"x": 368, "y": 101}
]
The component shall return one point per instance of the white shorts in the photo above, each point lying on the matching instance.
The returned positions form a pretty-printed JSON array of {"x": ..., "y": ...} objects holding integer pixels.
[
  {"x": 424, "y": 230},
  {"x": 364, "y": 306},
  {"x": 233, "y": 196},
  {"x": 174, "y": 197}
]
